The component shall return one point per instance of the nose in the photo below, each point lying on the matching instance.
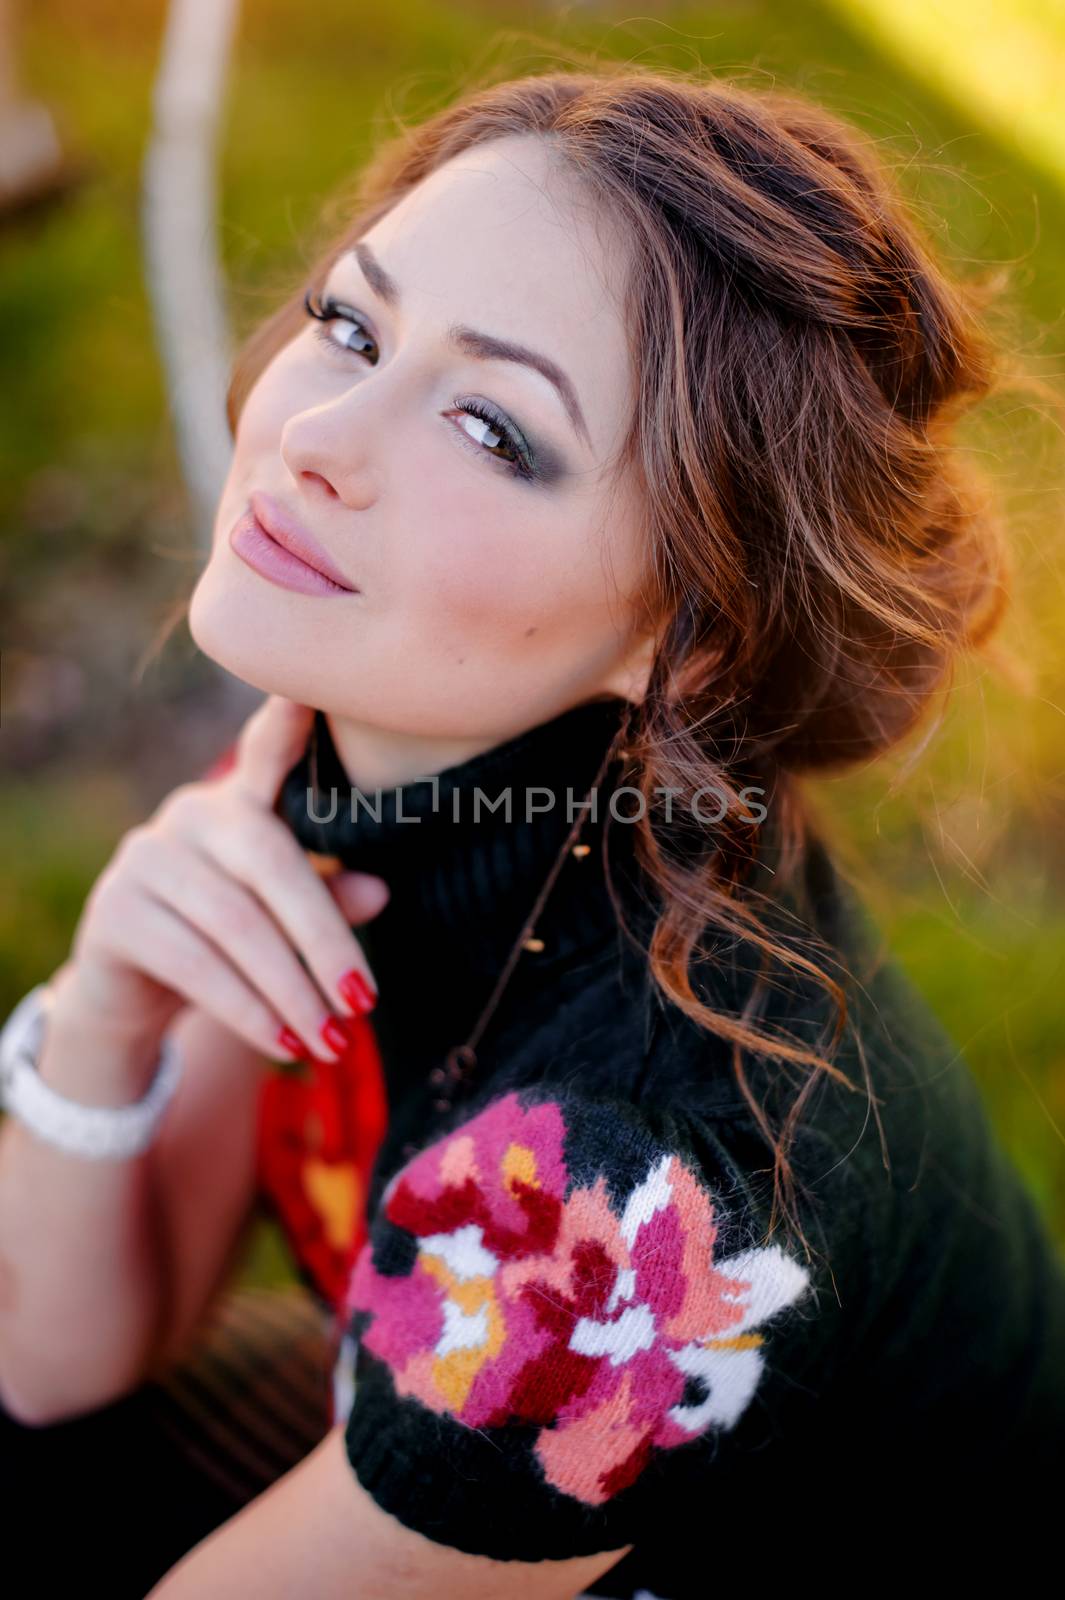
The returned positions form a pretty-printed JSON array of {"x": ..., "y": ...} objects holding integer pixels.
[
  {"x": 330, "y": 455},
  {"x": 315, "y": 483}
]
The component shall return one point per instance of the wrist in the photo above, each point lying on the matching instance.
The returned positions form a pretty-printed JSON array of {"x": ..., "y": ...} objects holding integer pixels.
[
  {"x": 90, "y": 1123},
  {"x": 94, "y": 1058}
]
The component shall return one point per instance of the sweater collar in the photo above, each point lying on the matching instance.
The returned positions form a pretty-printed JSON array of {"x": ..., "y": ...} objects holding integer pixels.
[{"x": 463, "y": 873}]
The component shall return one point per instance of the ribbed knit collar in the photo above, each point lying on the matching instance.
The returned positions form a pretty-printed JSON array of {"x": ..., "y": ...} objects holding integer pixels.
[{"x": 462, "y": 884}]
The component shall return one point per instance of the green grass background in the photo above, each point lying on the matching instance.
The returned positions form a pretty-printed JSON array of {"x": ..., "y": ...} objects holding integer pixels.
[{"x": 960, "y": 851}]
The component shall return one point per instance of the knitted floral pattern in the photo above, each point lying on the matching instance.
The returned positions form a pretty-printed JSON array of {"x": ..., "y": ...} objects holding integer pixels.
[{"x": 534, "y": 1299}]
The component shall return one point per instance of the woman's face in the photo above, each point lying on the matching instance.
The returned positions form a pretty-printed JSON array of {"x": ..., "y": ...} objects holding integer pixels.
[{"x": 492, "y": 576}]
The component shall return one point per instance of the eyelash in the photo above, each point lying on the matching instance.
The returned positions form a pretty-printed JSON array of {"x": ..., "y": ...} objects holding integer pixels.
[{"x": 325, "y": 309}]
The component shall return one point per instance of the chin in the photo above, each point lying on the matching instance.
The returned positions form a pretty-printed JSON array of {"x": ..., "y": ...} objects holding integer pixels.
[
  {"x": 233, "y": 625},
  {"x": 227, "y": 626}
]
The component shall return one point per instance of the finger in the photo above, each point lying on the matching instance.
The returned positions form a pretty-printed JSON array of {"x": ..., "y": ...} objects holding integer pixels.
[
  {"x": 170, "y": 950},
  {"x": 240, "y": 926},
  {"x": 359, "y": 896},
  {"x": 258, "y": 850},
  {"x": 270, "y": 743}
]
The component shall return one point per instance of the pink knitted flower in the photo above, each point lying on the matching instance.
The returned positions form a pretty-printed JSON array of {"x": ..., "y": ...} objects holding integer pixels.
[{"x": 536, "y": 1300}]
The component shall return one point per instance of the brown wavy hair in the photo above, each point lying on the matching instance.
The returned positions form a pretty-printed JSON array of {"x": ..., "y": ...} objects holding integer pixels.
[{"x": 820, "y": 551}]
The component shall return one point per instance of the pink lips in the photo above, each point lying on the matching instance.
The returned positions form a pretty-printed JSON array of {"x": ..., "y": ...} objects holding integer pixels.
[{"x": 272, "y": 543}]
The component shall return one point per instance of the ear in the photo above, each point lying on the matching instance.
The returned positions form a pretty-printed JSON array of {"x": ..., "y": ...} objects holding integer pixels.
[{"x": 629, "y": 677}]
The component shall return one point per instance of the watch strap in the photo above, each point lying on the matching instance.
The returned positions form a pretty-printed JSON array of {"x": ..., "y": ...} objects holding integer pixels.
[{"x": 101, "y": 1132}]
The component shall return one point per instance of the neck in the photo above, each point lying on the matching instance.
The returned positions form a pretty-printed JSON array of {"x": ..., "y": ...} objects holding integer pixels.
[{"x": 374, "y": 758}]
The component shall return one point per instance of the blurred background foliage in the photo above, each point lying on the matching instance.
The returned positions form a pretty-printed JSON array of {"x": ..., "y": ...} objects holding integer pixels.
[{"x": 957, "y": 845}]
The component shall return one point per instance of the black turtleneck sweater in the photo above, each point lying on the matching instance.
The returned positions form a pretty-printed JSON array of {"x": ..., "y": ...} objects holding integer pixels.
[
  {"x": 570, "y": 1329},
  {"x": 463, "y": 881}
]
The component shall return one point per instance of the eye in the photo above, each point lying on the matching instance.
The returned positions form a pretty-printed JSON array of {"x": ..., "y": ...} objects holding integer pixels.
[
  {"x": 492, "y": 435},
  {"x": 327, "y": 311}
]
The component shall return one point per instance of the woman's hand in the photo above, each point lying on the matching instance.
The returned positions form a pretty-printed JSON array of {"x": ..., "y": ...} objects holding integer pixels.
[{"x": 213, "y": 902}]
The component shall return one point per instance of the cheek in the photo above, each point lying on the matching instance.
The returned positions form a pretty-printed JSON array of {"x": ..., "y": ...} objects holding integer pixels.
[
  {"x": 492, "y": 559},
  {"x": 278, "y": 393}
]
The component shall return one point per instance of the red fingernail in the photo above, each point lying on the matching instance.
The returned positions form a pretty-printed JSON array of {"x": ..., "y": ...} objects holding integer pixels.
[
  {"x": 292, "y": 1043},
  {"x": 334, "y": 1034},
  {"x": 357, "y": 992}
]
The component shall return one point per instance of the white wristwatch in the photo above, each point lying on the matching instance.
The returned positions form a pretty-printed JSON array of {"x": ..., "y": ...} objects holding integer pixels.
[{"x": 96, "y": 1131}]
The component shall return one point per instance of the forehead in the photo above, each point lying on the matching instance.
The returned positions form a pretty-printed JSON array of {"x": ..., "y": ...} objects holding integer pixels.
[{"x": 500, "y": 237}]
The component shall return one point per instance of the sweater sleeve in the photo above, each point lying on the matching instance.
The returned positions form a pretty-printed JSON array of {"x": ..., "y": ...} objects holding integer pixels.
[{"x": 558, "y": 1316}]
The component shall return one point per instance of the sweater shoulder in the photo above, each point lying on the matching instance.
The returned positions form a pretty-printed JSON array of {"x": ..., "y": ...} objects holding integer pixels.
[{"x": 919, "y": 1218}]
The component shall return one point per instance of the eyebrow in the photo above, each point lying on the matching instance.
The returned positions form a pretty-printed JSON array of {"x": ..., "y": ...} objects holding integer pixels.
[{"x": 482, "y": 346}]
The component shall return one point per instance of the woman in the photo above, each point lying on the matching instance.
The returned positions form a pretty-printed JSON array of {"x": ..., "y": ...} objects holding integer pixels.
[{"x": 603, "y": 458}]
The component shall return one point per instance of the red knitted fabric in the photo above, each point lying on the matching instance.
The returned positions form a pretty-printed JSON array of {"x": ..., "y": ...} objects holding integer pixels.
[{"x": 316, "y": 1142}]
